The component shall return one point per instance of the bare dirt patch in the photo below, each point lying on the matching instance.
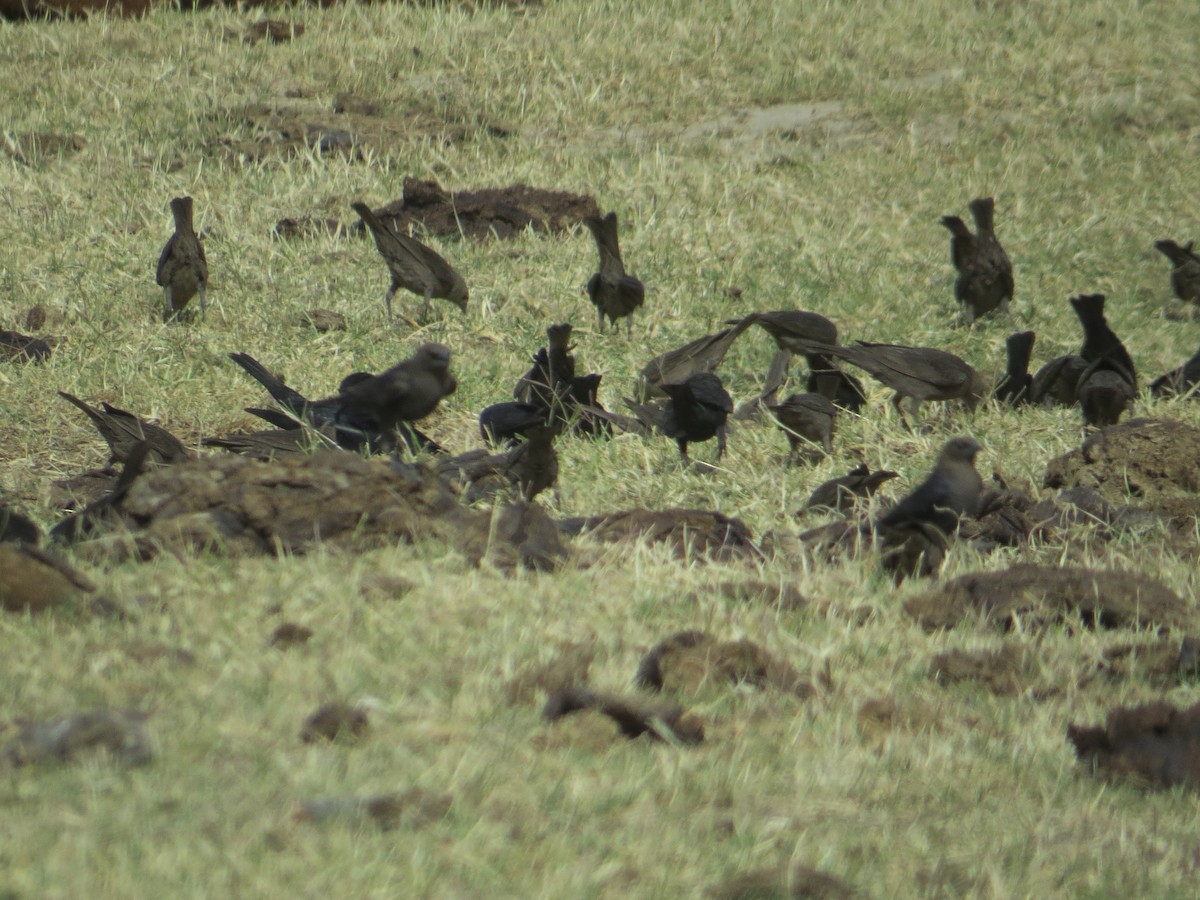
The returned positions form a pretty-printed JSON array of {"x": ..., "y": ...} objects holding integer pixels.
[{"x": 1147, "y": 458}]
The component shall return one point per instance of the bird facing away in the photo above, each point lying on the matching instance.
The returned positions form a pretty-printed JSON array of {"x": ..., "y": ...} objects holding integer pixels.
[
  {"x": 696, "y": 411},
  {"x": 950, "y": 492},
  {"x": 918, "y": 373},
  {"x": 612, "y": 291},
  {"x": 548, "y": 383},
  {"x": 413, "y": 266},
  {"x": 1178, "y": 381},
  {"x": 1015, "y": 388},
  {"x": 985, "y": 277},
  {"x": 1100, "y": 343},
  {"x": 849, "y": 395},
  {"x": 808, "y": 419},
  {"x": 840, "y": 493},
  {"x": 1185, "y": 269},
  {"x": 124, "y": 431},
  {"x": 1105, "y": 394},
  {"x": 182, "y": 267}
]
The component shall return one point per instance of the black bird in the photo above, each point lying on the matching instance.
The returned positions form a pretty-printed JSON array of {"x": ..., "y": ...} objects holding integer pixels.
[
  {"x": 950, "y": 492},
  {"x": 696, "y": 411},
  {"x": 549, "y": 383},
  {"x": 840, "y": 493},
  {"x": 182, "y": 267},
  {"x": 413, "y": 266},
  {"x": 1105, "y": 394},
  {"x": 589, "y": 413},
  {"x": 1178, "y": 381},
  {"x": 1016, "y": 387},
  {"x": 1099, "y": 341},
  {"x": 1185, "y": 269},
  {"x": 612, "y": 291},
  {"x": 506, "y": 423},
  {"x": 1056, "y": 383},
  {"x": 985, "y": 278}
]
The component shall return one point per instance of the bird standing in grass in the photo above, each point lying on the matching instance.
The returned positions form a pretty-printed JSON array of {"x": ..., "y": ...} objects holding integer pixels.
[
  {"x": 1185, "y": 269},
  {"x": 182, "y": 267},
  {"x": 612, "y": 291},
  {"x": 696, "y": 411},
  {"x": 985, "y": 277},
  {"x": 124, "y": 431},
  {"x": 413, "y": 266},
  {"x": 950, "y": 492},
  {"x": 1015, "y": 389}
]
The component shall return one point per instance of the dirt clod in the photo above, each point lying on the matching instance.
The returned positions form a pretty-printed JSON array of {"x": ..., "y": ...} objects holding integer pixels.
[
  {"x": 1156, "y": 745},
  {"x": 335, "y": 721},
  {"x": 1149, "y": 458},
  {"x": 690, "y": 533},
  {"x": 689, "y": 660},
  {"x": 122, "y": 733}
]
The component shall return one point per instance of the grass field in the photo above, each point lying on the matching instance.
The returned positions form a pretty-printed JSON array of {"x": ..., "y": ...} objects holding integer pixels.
[{"x": 687, "y": 119}]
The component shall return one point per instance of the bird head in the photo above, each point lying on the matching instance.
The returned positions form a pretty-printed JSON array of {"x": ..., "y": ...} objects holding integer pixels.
[{"x": 960, "y": 449}]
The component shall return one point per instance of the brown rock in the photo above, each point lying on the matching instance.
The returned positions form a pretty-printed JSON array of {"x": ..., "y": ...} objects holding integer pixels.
[
  {"x": 691, "y": 533},
  {"x": 335, "y": 721},
  {"x": 323, "y": 320},
  {"x": 1155, "y": 745}
]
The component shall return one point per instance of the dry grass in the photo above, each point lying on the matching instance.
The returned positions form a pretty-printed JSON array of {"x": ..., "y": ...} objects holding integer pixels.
[{"x": 1080, "y": 118}]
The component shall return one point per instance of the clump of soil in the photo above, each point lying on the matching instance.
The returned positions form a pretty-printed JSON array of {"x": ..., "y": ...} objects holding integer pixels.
[
  {"x": 34, "y": 147},
  {"x": 998, "y": 671},
  {"x": 689, "y": 660},
  {"x": 1148, "y": 458},
  {"x": 1155, "y": 745},
  {"x": 34, "y": 580},
  {"x": 1042, "y": 594},
  {"x": 335, "y": 722},
  {"x": 776, "y": 884},
  {"x": 568, "y": 667},
  {"x": 690, "y": 533}
]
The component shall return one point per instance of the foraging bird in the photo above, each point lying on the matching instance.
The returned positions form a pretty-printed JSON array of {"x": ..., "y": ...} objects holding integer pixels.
[
  {"x": 274, "y": 443},
  {"x": 124, "y": 431},
  {"x": 1178, "y": 381},
  {"x": 918, "y": 373},
  {"x": 1105, "y": 394},
  {"x": 840, "y": 493},
  {"x": 23, "y": 347},
  {"x": 703, "y": 354},
  {"x": 1056, "y": 383},
  {"x": 985, "y": 278},
  {"x": 413, "y": 266},
  {"x": 1100, "y": 342},
  {"x": 849, "y": 394},
  {"x": 612, "y": 291},
  {"x": 407, "y": 392},
  {"x": 1015, "y": 388},
  {"x": 792, "y": 328},
  {"x": 950, "y": 492},
  {"x": 504, "y": 423},
  {"x": 548, "y": 384},
  {"x": 808, "y": 419},
  {"x": 1185, "y": 269},
  {"x": 182, "y": 267},
  {"x": 696, "y": 411},
  {"x": 530, "y": 467}
]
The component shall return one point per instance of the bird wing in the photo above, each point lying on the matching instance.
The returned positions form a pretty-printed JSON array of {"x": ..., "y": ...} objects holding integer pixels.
[
  {"x": 399, "y": 250},
  {"x": 162, "y": 275}
]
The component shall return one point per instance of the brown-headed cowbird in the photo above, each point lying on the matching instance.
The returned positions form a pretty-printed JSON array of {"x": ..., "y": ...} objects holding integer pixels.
[
  {"x": 613, "y": 292},
  {"x": 792, "y": 328},
  {"x": 1178, "y": 381},
  {"x": 1056, "y": 382},
  {"x": 696, "y": 411},
  {"x": 413, "y": 266},
  {"x": 1105, "y": 393},
  {"x": 1016, "y": 387},
  {"x": 807, "y": 419},
  {"x": 182, "y": 267},
  {"x": 701, "y": 355},
  {"x": 123, "y": 431},
  {"x": 1100, "y": 344},
  {"x": 918, "y": 373},
  {"x": 985, "y": 278},
  {"x": 840, "y": 493},
  {"x": 950, "y": 492},
  {"x": 1185, "y": 269}
]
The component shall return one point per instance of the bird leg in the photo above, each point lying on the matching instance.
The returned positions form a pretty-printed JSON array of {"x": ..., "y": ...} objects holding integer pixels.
[
  {"x": 203, "y": 301},
  {"x": 421, "y": 317},
  {"x": 600, "y": 320},
  {"x": 387, "y": 301},
  {"x": 683, "y": 454},
  {"x": 168, "y": 307},
  {"x": 896, "y": 401},
  {"x": 629, "y": 327},
  {"x": 720, "y": 442}
]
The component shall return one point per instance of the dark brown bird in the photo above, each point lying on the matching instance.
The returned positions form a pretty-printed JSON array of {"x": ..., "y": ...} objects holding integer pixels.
[
  {"x": 1105, "y": 394},
  {"x": 842, "y": 492},
  {"x": 985, "y": 278},
  {"x": 1056, "y": 383},
  {"x": 792, "y": 329},
  {"x": 16, "y": 527},
  {"x": 548, "y": 384},
  {"x": 849, "y": 395},
  {"x": 950, "y": 492},
  {"x": 701, "y": 355},
  {"x": 1016, "y": 387},
  {"x": 1185, "y": 269},
  {"x": 918, "y": 373},
  {"x": 697, "y": 410},
  {"x": 23, "y": 348},
  {"x": 182, "y": 267},
  {"x": 530, "y": 467},
  {"x": 274, "y": 443},
  {"x": 807, "y": 420},
  {"x": 123, "y": 431},
  {"x": 1100, "y": 343},
  {"x": 407, "y": 392},
  {"x": 104, "y": 512},
  {"x": 506, "y": 423},
  {"x": 613, "y": 292},
  {"x": 1180, "y": 380},
  {"x": 413, "y": 266}
]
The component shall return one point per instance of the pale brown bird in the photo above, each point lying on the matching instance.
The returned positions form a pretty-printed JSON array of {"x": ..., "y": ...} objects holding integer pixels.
[
  {"x": 985, "y": 278},
  {"x": 124, "y": 431},
  {"x": 612, "y": 291},
  {"x": 841, "y": 493},
  {"x": 413, "y": 266},
  {"x": 182, "y": 267}
]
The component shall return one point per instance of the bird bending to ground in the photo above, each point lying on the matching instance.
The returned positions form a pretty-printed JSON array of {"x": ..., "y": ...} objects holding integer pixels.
[
  {"x": 1015, "y": 388},
  {"x": 808, "y": 419},
  {"x": 124, "y": 431},
  {"x": 1178, "y": 381},
  {"x": 182, "y": 267},
  {"x": 840, "y": 493},
  {"x": 413, "y": 266},
  {"x": 612, "y": 291},
  {"x": 985, "y": 278}
]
